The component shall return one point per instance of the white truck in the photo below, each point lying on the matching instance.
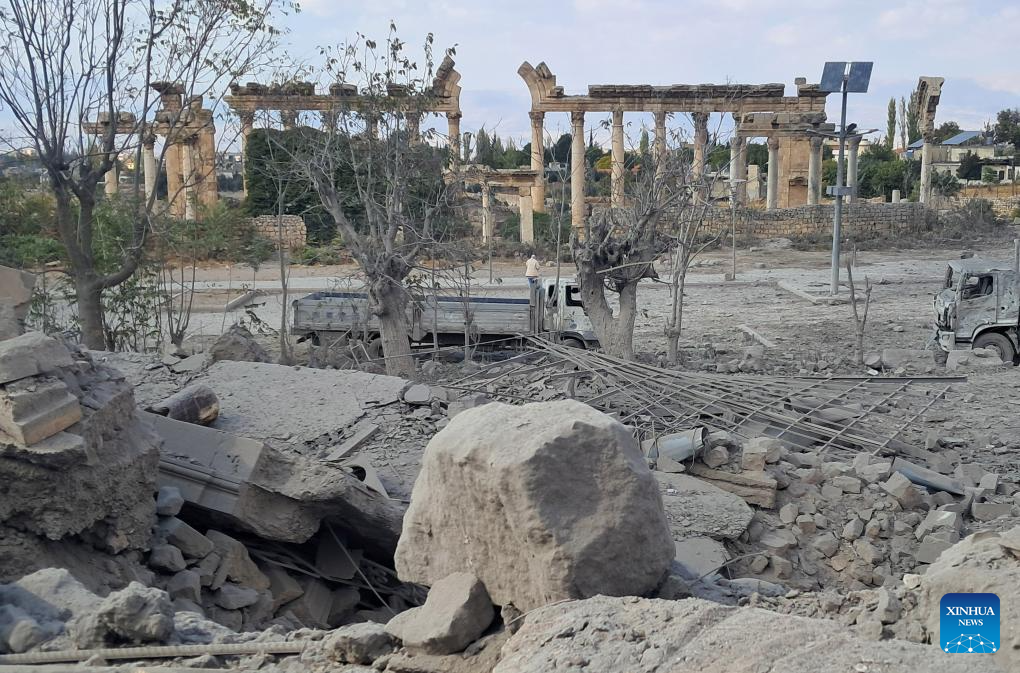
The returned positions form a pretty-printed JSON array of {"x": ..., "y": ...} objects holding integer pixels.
[
  {"x": 979, "y": 307},
  {"x": 495, "y": 322}
]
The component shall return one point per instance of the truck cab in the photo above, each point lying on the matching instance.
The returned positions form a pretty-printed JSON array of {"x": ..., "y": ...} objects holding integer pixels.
[
  {"x": 565, "y": 315},
  {"x": 979, "y": 307}
]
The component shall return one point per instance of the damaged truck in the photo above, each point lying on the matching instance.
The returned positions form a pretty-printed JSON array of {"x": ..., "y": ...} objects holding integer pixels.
[
  {"x": 979, "y": 307},
  {"x": 552, "y": 310}
]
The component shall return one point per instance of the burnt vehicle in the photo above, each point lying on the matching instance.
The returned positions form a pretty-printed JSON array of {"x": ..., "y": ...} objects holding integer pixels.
[{"x": 979, "y": 307}]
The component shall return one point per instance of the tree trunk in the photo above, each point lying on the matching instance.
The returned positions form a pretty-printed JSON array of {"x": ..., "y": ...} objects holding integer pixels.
[
  {"x": 390, "y": 307},
  {"x": 623, "y": 326},
  {"x": 90, "y": 313}
]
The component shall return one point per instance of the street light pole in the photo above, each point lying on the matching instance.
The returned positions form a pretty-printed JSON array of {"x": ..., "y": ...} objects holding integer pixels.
[{"x": 837, "y": 211}]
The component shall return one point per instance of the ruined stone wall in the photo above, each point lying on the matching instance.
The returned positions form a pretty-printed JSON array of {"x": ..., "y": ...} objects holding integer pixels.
[
  {"x": 860, "y": 220},
  {"x": 1002, "y": 206},
  {"x": 293, "y": 229}
]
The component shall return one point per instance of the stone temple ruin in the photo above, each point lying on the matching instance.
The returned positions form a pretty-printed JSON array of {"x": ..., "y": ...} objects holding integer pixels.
[{"x": 759, "y": 110}]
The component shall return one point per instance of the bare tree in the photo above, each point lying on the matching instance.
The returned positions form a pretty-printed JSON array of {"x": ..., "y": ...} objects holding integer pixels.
[
  {"x": 382, "y": 185},
  {"x": 688, "y": 230},
  {"x": 66, "y": 64},
  {"x": 860, "y": 318},
  {"x": 619, "y": 247}
]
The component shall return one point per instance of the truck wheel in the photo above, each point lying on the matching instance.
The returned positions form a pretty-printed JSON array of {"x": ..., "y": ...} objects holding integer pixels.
[
  {"x": 571, "y": 342},
  {"x": 1000, "y": 343}
]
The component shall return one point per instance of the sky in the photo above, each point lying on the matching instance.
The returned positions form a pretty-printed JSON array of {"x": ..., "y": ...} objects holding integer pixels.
[{"x": 969, "y": 43}]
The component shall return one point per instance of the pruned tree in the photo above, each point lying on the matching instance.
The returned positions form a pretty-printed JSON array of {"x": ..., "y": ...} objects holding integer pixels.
[
  {"x": 67, "y": 64},
  {"x": 689, "y": 231},
  {"x": 380, "y": 183},
  {"x": 619, "y": 246}
]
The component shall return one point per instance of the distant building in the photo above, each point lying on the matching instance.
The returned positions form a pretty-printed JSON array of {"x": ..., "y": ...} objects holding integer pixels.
[{"x": 947, "y": 155}]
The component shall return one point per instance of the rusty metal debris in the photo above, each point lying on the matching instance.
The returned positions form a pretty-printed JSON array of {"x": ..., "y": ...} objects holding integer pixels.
[{"x": 831, "y": 414}]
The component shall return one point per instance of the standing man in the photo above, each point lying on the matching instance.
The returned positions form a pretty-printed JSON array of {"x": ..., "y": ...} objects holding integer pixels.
[{"x": 531, "y": 272}]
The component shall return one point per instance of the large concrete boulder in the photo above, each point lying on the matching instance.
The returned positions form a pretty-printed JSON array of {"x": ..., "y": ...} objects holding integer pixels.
[
  {"x": 985, "y": 562},
  {"x": 541, "y": 502}
]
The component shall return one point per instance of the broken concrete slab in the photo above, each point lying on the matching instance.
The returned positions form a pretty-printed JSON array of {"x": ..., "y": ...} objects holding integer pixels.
[
  {"x": 540, "y": 502},
  {"x": 695, "y": 507},
  {"x": 700, "y": 635},
  {"x": 456, "y": 612},
  {"x": 978, "y": 357},
  {"x": 31, "y": 354},
  {"x": 235, "y": 563},
  {"x": 757, "y": 488},
  {"x": 928, "y": 478},
  {"x": 700, "y": 555},
  {"x": 419, "y": 394},
  {"x": 909, "y": 358},
  {"x": 192, "y": 364}
]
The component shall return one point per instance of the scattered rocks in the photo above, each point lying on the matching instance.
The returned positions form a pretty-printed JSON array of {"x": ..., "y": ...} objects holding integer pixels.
[
  {"x": 359, "y": 643},
  {"x": 238, "y": 344}
]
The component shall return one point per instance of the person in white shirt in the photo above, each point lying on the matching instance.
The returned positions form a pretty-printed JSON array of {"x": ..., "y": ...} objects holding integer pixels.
[{"x": 531, "y": 271}]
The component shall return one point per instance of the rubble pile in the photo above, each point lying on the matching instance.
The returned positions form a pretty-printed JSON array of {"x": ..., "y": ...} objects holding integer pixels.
[
  {"x": 76, "y": 463},
  {"x": 824, "y": 523}
]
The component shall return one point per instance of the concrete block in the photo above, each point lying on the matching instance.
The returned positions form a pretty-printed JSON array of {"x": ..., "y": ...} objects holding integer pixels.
[
  {"x": 192, "y": 543},
  {"x": 33, "y": 409},
  {"x": 700, "y": 555},
  {"x": 929, "y": 552},
  {"x": 937, "y": 519},
  {"x": 30, "y": 354},
  {"x": 754, "y": 454},
  {"x": 282, "y": 585},
  {"x": 847, "y": 484},
  {"x": 987, "y": 511},
  {"x": 185, "y": 585},
  {"x": 313, "y": 606},
  {"x": 899, "y": 487},
  {"x": 166, "y": 558},
  {"x": 234, "y": 597},
  {"x": 169, "y": 501}
]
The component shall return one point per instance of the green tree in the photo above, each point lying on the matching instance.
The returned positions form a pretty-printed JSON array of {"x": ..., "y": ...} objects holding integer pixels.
[
  {"x": 913, "y": 121},
  {"x": 757, "y": 154},
  {"x": 1007, "y": 127},
  {"x": 483, "y": 148},
  {"x": 890, "y": 123},
  {"x": 561, "y": 149},
  {"x": 643, "y": 143},
  {"x": 989, "y": 175},
  {"x": 946, "y": 130},
  {"x": 970, "y": 167}
]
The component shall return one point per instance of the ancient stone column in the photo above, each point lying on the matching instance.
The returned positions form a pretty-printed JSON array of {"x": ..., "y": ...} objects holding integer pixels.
[
  {"x": 188, "y": 164},
  {"x": 149, "y": 165},
  {"x": 616, "y": 184},
  {"x": 851, "y": 167},
  {"x": 413, "y": 127},
  {"x": 205, "y": 165},
  {"x": 486, "y": 214},
  {"x": 453, "y": 137},
  {"x": 174, "y": 178},
  {"x": 738, "y": 169},
  {"x": 925, "y": 191},
  {"x": 577, "y": 165},
  {"x": 660, "y": 143},
  {"x": 814, "y": 188},
  {"x": 289, "y": 118},
  {"x": 538, "y": 159},
  {"x": 112, "y": 180},
  {"x": 772, "y": 188},
  {"x": 700, "y": 143},
  {"x": 895, "y": 196},
  {"x": 527, "y": 215},
  {"x": 247, "y": 126}
]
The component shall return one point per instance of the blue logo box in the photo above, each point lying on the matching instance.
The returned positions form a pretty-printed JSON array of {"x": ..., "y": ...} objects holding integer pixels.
[{"x": 969, "y": 623}]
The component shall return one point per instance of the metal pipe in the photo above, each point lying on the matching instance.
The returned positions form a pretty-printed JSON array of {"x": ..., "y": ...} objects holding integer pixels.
[
  {"x": 154, "y": 652},
  {"x": 837, "y": 211}
]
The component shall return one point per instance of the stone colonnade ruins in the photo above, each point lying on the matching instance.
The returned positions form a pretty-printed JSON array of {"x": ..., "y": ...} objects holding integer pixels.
[
  {"x": 793, "y": 126},
  {"x": 757, "y": 109},
  {"x": 190, "y": 153},
  {"x": 290, "y": 99}
]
